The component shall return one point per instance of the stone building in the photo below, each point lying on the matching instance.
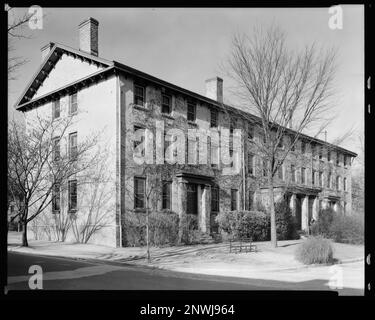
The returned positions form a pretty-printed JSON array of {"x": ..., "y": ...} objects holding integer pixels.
[{"x": 122, "y": 101}]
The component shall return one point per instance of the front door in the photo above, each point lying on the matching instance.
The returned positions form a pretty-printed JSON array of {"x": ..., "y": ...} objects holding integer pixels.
[{"x": 192, "y": 199}]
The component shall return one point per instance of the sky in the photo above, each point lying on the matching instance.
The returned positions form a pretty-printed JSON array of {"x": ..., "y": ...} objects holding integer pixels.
[{"x": 186, "y": 46}]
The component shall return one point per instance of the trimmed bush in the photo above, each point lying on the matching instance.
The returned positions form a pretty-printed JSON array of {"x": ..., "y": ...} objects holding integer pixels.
[
  {"x": 323, "y": 224},
  {"x": 340, "y": 228},
  {"x": 347, "y": 229},
  {"x": 249, "y": 224},
  {"x": 163, "y": 228},
  {"x": 286, "y": 227},
  {"x": 190, "y": 233},
  {"x": 315, "y": 250}
]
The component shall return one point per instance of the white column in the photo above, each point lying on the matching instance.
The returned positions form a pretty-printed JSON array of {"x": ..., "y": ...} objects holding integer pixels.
[
  {"x": 200, "y": 205},
  {"x": 315, "y": 212},
  {"x": 206, "y": 209},
  {"x": 305, "y": 213},
  {"x": 292, "y": 204},
  {"x": 182, "y": 195}
]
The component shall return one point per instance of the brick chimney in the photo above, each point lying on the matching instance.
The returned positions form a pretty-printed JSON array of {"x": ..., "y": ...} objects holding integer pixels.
[
  {"x": 46, "y": 49},
  {"x": 214, "y": 89},
  {"x": 88, "y": 36}
]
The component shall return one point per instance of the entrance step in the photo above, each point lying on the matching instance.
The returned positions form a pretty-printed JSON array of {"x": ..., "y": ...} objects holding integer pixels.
[{"x": 205, "y": 238}]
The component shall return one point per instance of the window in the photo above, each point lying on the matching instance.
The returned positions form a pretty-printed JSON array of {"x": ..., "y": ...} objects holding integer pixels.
[
  {"x": 56, "y": 198},
  {"x": 280, "y": 172},
  {"x": 166, "y": 106},
  {"x": 191, "y": 112},
  {"x": 167, "y": 195},
  {"x": 73, "y": 104},
  {"x": 346, "y": 160},
  {"x": 73, "y": 148},
  {"x": 303, "y": 147},
  {"x": 215, "y": 199},
  {"x": 214, "y": 151},
  {"x": 72, "y": 191},
  {"x": 281, "y": 143},
  {"x": 213, "y": 118},
  {"x": 338, "y": 182},
  {"x": 55, "y": 109},
  {"x": 313, "y": 177},
  {"x": 264, "y": 168},
  {"x": 56, "y": 149},
  {"x": 329, "y": 156},
  {"x": 313, "y": 150},
  {"x": 345, "y": 185},
  {"x": 233, "y": 199},
  {"x": 250, "y": 163},
  {"x": 303, "y": 175},
  {"x": 250, "y": 132},
  {"x": 231, "y": 128},
  {"x": 139, "y": 192},
  {"x": 320, "y": 179},
  {"x": 329, "y": 182},
  {"x": 137, "y": 142},
  {"x": 338, "y": 159},
  {"x": 139, "y": 96},
  {"x": 293, "y": 147},
  {"x": 321, "y": 153},
  {"x": 167, "y": 143},
  {"x": 293, "y": 173}
]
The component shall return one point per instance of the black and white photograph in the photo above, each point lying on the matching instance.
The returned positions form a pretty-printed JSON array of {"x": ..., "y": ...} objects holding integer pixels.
[{"x": 186, "y": 149}]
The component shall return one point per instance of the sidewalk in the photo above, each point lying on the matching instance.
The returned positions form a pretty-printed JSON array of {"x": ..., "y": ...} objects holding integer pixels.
[{"x": 214, "y": 259}]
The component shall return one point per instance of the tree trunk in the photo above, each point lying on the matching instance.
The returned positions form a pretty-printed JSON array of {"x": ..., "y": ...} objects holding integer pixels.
[
  {"x": 148, "y": 238},
  {"x": 272, "y": 210},
  {"x": 24, "y": 235}
]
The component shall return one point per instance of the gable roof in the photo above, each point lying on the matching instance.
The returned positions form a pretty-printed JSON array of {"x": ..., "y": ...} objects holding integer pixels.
[
  {"x": 58, "y": 50},
  {"x": 47, "y": 66}
]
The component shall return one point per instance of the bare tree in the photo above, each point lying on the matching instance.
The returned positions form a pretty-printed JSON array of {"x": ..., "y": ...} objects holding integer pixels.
[
  {"x": 95, "y": 205},
  {"x": 16, "y": 28},
  {"x": 285, "y": 90},
  {"x": 36, "y": 165}
]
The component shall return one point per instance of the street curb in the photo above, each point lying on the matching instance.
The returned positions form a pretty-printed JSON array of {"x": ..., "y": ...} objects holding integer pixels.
[{"x": 129, "y": 263}]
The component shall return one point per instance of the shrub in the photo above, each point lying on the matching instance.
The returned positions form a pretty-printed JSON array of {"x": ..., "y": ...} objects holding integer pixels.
[
  {"x": 340, "y": 228},
  {"x": 347, "y": 229},
  {"x": 286, "y": 227},
  {"x": 163, "y": 228},
  {"x": 315, "y": 250},
  {"x": 323, "y": 224},
  {"x": 249, "y": 224},
  {"x": 190, "y": 233}
]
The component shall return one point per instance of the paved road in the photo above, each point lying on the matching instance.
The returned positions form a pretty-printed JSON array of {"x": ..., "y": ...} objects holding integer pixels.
[{"x": 70, "y": 274}]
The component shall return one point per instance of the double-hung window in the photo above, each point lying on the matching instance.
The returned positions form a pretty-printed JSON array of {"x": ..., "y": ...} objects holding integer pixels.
[
  {"x": 139, "y": 96},
  {"x": 56, "y": 109},
  {"x": 215, "y": 199},
  {"x": 166, "y": 106},
  {"x": 73, "y": 103},
  {"x": 56, "y": 149},
  {"x": 72, "y": 191},
  {"x": 213, "y": 123},
  {"x": 191, "y": 110},
  {"x": 56, "y": 198},
  {"x": 139, "y": 192},
  {"x": 73, "y": 147},
  {"x": 167, "y": 195}
]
